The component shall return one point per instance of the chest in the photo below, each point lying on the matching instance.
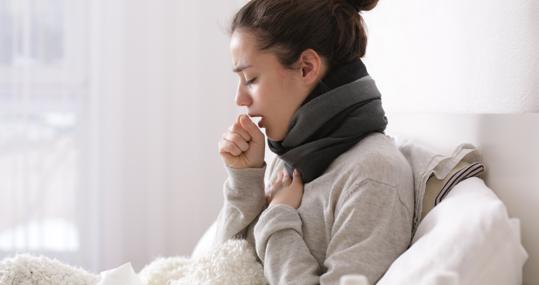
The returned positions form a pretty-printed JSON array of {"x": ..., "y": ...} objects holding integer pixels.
[{"x": 317, "y": 215}]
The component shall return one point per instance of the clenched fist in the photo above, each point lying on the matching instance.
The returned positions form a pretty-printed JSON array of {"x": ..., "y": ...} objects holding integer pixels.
[{"x": 243, "y": 145}]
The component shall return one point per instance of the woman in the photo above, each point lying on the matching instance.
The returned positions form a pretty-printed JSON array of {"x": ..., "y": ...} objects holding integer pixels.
[{"x": 340, "y": 199}]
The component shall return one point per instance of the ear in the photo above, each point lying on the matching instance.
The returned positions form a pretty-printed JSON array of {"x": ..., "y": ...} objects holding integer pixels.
[{"x": 311, "y": 66}]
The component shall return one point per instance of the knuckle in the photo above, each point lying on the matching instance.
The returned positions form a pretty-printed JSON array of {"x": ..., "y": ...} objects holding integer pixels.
[
  {"x": 236, "y": 138},
  {"x": 230, "y": 148},
  {"x": 239, "y": 141},
  {"x": 243, "y": 133},
  {"x": 237, "y": 128},
  {"x": 226, "y": 148}
]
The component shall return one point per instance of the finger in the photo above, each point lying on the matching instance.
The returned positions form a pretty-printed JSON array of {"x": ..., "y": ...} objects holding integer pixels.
[
  {"x": 251, "y": 128},
  {"x": 225, "y": 138},
  {"x": 277, "y": 178},
  {"x": 296, "y": 179},
  {"x": 270, "y": 191},
  {"x": 285, "y": 177},
  {"x": 270, "y": 194},
  {"x": 237, "y": 140},
  {"x": 237, "y": 128},
  {"x": 228, "y": 147}
]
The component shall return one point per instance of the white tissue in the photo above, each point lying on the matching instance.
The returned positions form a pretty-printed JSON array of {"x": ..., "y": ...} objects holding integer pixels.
[{"x": 122, "y": 275}]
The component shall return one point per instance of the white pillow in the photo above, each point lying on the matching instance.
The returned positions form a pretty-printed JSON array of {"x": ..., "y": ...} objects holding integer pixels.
[
  {"x": 468, "y": 235},
  {"x": 206, "y": 242}
]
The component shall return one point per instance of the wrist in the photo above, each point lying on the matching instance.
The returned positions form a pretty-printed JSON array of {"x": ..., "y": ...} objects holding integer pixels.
[
  {"x": 254, "y": 166},
  {"x": 246, "y": 179}
]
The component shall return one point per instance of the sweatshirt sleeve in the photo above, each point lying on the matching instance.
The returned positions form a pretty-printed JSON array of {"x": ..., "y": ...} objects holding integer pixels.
[
  {"x": 371, "y": 228},
  {"x": 244, "y": 200}
]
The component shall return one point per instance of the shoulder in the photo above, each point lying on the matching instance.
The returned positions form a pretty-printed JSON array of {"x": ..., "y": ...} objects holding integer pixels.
[
  {"x": 374, "y": 164},
  {"x": 375, "y": 158}
]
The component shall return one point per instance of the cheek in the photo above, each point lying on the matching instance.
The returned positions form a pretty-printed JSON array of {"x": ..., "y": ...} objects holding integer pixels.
[
  {"x": 275, "y": 95},
  {"x": 287, "y": 77},
  {"x": 267, "y": 94}
]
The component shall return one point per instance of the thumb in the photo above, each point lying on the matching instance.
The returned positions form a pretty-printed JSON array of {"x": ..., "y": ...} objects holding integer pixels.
[{"x": 251, "y": 128}]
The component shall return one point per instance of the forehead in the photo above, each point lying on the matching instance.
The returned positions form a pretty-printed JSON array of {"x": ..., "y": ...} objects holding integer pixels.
[{"x": 243, "y": 47}]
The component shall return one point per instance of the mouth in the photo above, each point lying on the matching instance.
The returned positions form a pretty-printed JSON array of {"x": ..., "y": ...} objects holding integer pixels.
[
  {"x": 260, "y": 119},
  {"x": 261, "y": 122}
]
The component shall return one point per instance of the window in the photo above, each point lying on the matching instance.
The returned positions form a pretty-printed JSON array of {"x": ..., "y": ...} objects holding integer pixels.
[{"x": 43, "y": 84}]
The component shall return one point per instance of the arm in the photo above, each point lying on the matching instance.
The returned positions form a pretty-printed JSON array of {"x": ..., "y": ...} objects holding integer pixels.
[
  {"x": 281, "y": 248},
  {"x": 242, "y": 149},
  {"x": 372, "y": 227},
  {"x": 244, "y": 199}
]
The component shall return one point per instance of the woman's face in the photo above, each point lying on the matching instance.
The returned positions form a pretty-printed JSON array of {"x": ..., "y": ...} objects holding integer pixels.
[{"x": 266, "y": 88}]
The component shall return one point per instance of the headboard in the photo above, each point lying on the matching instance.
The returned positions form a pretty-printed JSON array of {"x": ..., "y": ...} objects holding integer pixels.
[{"x": 509, "y": 145}]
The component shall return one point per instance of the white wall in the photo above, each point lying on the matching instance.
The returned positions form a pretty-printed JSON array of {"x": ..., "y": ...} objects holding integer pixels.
[
  {"x": 163, "y": 95},
  {"x": 455, "y": 56},
  {"x": 200, "y": 110}
]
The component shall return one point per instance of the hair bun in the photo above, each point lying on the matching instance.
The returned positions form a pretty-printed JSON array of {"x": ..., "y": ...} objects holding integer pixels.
[{"x": 363, "y": 5}]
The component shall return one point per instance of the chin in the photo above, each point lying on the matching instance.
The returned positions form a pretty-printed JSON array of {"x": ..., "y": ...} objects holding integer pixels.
[
  {"x": 268, "y": 134},
  {"x": 273, "y": 137}
]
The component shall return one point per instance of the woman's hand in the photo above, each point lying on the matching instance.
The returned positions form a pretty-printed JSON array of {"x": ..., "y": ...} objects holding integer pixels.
[
  {"x": 286, "y": 190},
  {"x": 243, "y": 145}
]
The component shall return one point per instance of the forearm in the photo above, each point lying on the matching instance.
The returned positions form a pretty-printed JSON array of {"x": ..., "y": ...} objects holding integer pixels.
[
  {"x": 244, "y": 199},
  {"x": 281, "y": 248}
]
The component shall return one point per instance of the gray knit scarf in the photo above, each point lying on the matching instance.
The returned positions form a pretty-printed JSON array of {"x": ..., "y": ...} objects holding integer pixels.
[{"x": 342, "y": 109}]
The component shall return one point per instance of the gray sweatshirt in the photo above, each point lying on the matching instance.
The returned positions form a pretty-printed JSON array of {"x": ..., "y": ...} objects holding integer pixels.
[{"x": 354, "y": 219}]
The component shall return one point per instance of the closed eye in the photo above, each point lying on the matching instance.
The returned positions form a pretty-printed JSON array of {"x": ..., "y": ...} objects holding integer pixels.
[{"x": 251, "y": 81}]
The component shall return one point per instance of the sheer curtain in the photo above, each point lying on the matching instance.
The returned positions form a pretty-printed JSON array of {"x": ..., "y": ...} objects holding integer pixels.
[
  {"x": 43, "y": 80},
  {"x": 110, "y": 116}
]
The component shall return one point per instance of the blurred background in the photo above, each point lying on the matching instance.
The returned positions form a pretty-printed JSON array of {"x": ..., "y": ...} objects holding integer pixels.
[{"x": 111, "y": 110}]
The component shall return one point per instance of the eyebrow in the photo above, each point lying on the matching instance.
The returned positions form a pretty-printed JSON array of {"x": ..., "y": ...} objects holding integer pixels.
[{"x": 240, "y": 68}]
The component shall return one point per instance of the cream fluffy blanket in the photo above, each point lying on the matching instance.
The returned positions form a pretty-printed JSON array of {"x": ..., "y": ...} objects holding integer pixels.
[{"x": 234, "y": 262}]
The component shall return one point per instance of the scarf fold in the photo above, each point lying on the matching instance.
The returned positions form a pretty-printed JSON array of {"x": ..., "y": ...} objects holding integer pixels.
[{"x": 341, "y": 110}]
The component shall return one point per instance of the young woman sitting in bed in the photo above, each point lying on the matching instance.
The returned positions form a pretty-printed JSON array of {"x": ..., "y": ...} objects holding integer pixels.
[{"x": 340, "y": 196}]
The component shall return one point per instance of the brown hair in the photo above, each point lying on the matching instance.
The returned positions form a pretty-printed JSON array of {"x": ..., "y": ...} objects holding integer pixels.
[{"x": 333, "y": 28}]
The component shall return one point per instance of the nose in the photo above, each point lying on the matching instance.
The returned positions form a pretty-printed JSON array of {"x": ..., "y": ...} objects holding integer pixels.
[{"x": 242, "y": 96}]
